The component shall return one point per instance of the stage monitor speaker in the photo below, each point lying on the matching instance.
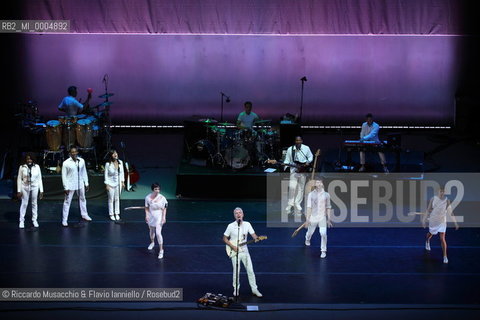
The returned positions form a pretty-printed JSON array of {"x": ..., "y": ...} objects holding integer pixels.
[
  {"x": 288, "y": 132},
  {"x": 194, "y": 131}
]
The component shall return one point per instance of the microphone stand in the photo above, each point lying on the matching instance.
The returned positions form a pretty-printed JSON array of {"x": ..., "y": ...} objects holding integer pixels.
[
  {"x": 29, "y": 183},
  {"x": 301, "y": 97},
  {"x": 237, "y": 271},
  {"x": 221, "y": 104},
  {"x": 107, "y": 115},
  {"x": 78, "y": 190},
  {"x": 119, "y": 193}
]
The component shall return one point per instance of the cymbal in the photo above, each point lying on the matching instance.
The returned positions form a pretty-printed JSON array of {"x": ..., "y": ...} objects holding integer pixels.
[
  {"x": 106, "y": 95},
  {"x": 225, "y": 124},
  {"x": 104, "y": 104},
  {"x": 208, "y": 120},
  {"x": 263, "y": 121}
]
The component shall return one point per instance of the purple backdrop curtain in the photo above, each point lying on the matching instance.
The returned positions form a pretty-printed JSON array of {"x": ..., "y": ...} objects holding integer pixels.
[
  {"x": 399, "y": 59},
  {"x": 254, "y": 16}
]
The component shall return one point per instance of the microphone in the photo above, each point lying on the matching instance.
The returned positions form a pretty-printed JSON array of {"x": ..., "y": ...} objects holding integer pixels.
[
  {"x": 304, "y": 78},
  {"x": 105, "y": 77},
  {"x": 227, "y": 100},
  {"x": 238, "y": 222}
]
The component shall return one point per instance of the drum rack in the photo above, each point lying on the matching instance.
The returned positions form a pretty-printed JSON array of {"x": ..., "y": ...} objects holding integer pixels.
[{"x": 85, "y": 151}]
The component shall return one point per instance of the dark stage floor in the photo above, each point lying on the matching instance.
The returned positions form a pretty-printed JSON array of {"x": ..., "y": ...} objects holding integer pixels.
[{"x": 364, "y": 266}]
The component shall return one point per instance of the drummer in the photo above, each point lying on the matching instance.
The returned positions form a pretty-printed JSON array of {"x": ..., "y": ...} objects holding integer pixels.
[
  {"x": 70, "y": 105},
  {"x": 247, "y": 118}
]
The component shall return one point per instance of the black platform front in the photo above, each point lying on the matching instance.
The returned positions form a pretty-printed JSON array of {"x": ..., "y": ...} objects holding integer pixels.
[
  {"x": 52, "y": 184},
  {"x": 203, "y": 182}
]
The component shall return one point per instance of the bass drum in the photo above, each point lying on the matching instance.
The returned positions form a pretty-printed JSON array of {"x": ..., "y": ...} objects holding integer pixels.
[{"x": 237, "y": 157}]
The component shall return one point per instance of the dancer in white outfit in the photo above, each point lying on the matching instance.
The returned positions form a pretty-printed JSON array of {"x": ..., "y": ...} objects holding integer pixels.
[
  {"x": 318, "y": 215},
  {"x": 235, "y": 234},
  {"x": 74, "y": 178},
  {"x": 29, "y": 184},
  {"x": 114, "y": 184},
  {"x": 438, "y": 208},
  {"x": 301, "y": 156},
  {"x": 156, "y": 216}
]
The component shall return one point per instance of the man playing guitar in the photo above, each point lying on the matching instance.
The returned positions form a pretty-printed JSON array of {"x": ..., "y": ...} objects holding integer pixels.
[{"x": 298, "y": 158}]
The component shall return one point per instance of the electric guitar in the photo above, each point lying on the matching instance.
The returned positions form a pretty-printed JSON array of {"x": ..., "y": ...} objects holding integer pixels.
[
  {"x": 230, "y": 251},
  {"x": 300, "y": 166}
]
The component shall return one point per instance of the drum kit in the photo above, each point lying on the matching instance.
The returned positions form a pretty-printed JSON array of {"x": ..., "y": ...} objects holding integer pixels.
[
  {"x": 226, "y": 145},
  {"x": 76, "y": 130}
]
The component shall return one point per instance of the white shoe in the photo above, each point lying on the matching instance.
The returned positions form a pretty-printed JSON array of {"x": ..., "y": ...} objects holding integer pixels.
[
  {"x": 65, "y": 223},
  {"x": 362, "y": 169},
  {"x": 307, "y": 243},
  {"x": 298, "y": 209},
  {"x": 236, "y": 294},
  {"x": 87, "y": 218},
  {"x": 385, "y": 169},
  {"x": 160, "y": 254},
  {"x": 323, "y": 255},
  {"x": 445, "y": 259},
  {"x": 288, "y": 209},
  {"x": 35, "y": 223},
  {"x": 427, "y": 245},
  {"x": 150, "y": 247},
  {"x": 112, "y": 217},
  {"x": 21, "y": 225},
  {"x": 117, "y": 217},
  {"x": 257, "y": 293}
]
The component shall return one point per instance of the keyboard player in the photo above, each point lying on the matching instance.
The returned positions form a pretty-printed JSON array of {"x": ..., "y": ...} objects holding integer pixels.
[{"x": 369, "y": 132}]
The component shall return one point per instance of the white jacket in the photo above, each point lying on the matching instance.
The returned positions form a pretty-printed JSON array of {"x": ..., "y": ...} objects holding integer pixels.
[
  {"x": 25, "y": 179},
  {"x": 71, "y": 171},
  {"x": 303, "y": 155},
  {"x": 112, "y": 175}
]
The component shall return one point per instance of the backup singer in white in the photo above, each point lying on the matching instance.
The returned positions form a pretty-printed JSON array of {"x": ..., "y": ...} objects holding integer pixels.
[{"x": 29, "y": 184}]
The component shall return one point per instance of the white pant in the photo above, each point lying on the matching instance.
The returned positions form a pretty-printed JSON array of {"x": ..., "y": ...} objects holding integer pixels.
[
  {"x": 247, "y": 263},
  {"x": 25, "y": 197},
  {"x": 381, "y": 155},
  {"x": 323, "y": 234},
  {"x": 68, "y": 201},
  {"x": 113, "y": 199},
  {"x": 296, "y": 188},
  {"x": 156, "y": 231}
]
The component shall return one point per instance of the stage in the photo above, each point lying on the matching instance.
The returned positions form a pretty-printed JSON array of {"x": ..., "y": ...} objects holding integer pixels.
[{"x": 364, "y": 267}]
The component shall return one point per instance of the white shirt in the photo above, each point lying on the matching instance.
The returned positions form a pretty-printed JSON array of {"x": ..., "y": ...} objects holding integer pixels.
[
  {"x": 232, "y": 233},
  {"x": 303, "y": 155},
  {"x": 29, "y": 177},
  {"x": 70, "y": 105},
  {"x": 157, "y": 204},
  {"x": 247, "y": 120},
  {"x": 370, "y": 133},
  {"x": 114, "y": 175},
  {"x": 72, "y": 171},
  {"x": 319, "y": 202}
]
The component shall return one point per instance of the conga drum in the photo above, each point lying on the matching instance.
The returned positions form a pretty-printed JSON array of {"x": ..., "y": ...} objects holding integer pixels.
[
  {"x": 53, "y": 133},
  {"x": 84, "y": 133}
]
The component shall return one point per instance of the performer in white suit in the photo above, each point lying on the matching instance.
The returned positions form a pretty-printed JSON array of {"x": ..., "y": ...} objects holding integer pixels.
[
  {"x": 156, "y": 216},
  {"x": 300, "y": 155},
  {"x": 114, "y": 184},
  {"x": 74, "y": 178},
  {"x": 29, "y": 184},
  {"x": 318, "y": 215},
  {"x": 231, "y": 238},
  {"x": 438, "y": 209}
]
